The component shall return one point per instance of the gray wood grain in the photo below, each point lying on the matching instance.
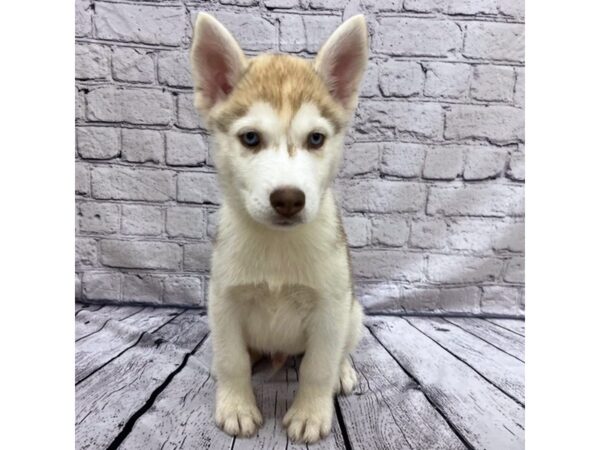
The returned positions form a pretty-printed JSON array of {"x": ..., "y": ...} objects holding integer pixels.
[
  {"x": 182, "y": 415},
  {"x": 505, "y": 340},
  {"x": 504, "y": 371},
  {"x": 388, "y": 410},
  {"x": 481, "y": 413},
  {"x": 81, "y": 307},
  {"x": 115, "y": 337},
  {"x": 106, "y": 400},
  {"x": 516, "y": 326},
  {"x": 88, "y": 322}
]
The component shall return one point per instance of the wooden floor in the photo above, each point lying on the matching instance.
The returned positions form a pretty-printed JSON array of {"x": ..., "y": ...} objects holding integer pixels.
[{"x": 143, "y": 382}]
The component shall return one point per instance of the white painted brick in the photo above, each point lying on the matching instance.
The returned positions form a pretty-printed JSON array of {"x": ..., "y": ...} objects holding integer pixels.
[
  {"x": 516, "y": 167},
  {"x": 417, "y": 37},
  {"x": 136, "y": 106},
  {"x": 443, "y": 163},
  {"x": 164, "y": 25},
  {"x": 198, "y": 187},
  {"x": 512, "y": 8},
  {"x": 133, "y": 64},
  {"x": 390, "y": 230},
  {"x": 375, "y": 119},
  {"x": 460, "y": 299},
  {"x": 96, "y": 217},
  {"x": 493, "y": 83},
  {"x": 121, "y": 183},
  {"x": 212, "y": 224},
  {"x": 141, "y": 146},
  {"x": 187, "y": 116},
  {"x": 421, "y": 119},
  {"x": 140, "y": 254},
  {"x": 360, "y": 158},
  {"x": 86, "y": 253},
  {"x": 520, "y": 88},
  {"x": 183, "y": 290},
  {"x": 382, "y": 196},
  {"x": 327, "y": 4},
  {"x": 142, "y": 288},
  {"x": 500, "y": 300},
  {"x": 425, "y": 6},
  {"x": 305, "y": 33},
  {"x": 496, "y": 123},
  {"x": 491, "y": 200},
  {"x": 472, "y": 7},
  {"x": 239, "y": 2},
  {"x": 144, "y": 220},
  {"x": 498, "y": 41},
  {"x": 92, "y": 62},
  {"x": 78, "y": 283},
  {"x": 174, "y": 68},
  {"x": 101, "y": 286},
  {"x": 82, "y": 179},
  {"x": 358, "y": 230},
  {"x": 370, "y": 82},
  {"x": 484, "y": 162},
  {"x": 402, "y": 159},
  {"x": 381, "y": 5},
  {"x": 472, "y": 235},
  {"x": 515, "y": 270},
  {"x": 462, "y": 269},
  {"x": 197, "y": 256},
  {"x": 446, "y": 80},
  {"x": 401, "y": 78},
  {"x": 250, "y": 30},
  {"x": 185, "y": 221},
  {"x": 79, "y": 104},
  {"x": 98, "y": 142},
  {"x": 388, "y": 264},
  {"x": 378, "y": 296},
  {"x": 185, "y": 149},
  {"x": 83, "y": 18},
  {"x": 284, "y": 4},
  {"x": 428, "y": 234},
  {"x": 510, "y": 236}
]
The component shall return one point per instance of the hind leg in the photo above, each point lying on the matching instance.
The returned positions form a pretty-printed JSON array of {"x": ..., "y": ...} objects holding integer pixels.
[{"x": 347, "y": 377}]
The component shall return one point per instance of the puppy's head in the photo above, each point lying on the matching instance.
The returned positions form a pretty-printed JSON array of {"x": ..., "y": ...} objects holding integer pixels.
[{"x": 278, "y": 120}]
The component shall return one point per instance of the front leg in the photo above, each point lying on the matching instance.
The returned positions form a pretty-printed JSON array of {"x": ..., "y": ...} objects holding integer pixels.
[
  {"x": 236, "y": 411},
  {"x": 309, "y": 418}
]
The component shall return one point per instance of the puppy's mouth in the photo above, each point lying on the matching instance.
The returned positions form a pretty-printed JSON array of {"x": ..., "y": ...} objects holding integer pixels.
[{"x": 280, "y": 222}]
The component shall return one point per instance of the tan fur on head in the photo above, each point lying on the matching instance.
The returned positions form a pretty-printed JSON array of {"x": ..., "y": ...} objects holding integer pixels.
[{"x": 227, "y": 83}]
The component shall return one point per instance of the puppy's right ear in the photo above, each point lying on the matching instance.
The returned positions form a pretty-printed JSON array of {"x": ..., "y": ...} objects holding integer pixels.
[{"x": 217, "y": 62}]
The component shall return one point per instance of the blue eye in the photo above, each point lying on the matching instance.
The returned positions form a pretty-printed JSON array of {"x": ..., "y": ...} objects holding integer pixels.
[
  {"x": 315, "y": 140},
  {"x": 250, "y": 139}
]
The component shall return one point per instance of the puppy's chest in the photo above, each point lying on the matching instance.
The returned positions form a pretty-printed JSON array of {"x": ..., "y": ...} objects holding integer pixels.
[{"x": 274, "y": 320}]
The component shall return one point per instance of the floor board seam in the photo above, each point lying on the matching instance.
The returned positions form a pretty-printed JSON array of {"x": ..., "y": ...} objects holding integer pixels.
[
  {"x": 343, "y": 429},
  {"x": 452, "y": 426},
  {"x": 470, "y": 366},
  {"x": 128, "y": 427},
  {"x": 485, "y": 340},
  {"x": 504, "y": 328}
]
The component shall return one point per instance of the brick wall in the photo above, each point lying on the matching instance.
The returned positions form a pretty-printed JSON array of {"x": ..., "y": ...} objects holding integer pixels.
[{"x": 432, "y": 185}]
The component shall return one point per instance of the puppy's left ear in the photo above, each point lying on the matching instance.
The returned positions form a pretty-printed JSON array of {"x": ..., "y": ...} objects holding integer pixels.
[{"x": 342, "y": 60}]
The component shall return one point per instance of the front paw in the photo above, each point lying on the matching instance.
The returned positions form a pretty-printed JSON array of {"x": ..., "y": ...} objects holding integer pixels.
[
  {"x": 309, "y": 419},
  {"x": 237, "y": 415}
]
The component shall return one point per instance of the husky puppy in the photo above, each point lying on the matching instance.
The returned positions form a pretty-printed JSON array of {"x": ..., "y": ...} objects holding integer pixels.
[{"x": 280, "y": 278}]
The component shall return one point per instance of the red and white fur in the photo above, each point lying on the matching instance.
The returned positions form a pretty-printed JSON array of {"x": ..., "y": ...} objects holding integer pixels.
[{"x": 280, "y": 279}]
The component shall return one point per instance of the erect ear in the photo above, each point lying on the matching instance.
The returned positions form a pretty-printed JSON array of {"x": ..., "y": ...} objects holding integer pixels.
[
  {"x": 217, "y": 62},
  {"x": 342, "y": 60}
]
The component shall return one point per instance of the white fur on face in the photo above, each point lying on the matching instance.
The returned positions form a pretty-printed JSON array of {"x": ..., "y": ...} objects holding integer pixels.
[{"x": 252, "y": 176}]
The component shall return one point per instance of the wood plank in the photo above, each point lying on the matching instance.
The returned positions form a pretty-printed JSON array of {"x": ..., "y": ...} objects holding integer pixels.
[
  {"x": 503, "y": 339},
  {"x": 388, "y": 408},
  {"x": 182, "y": 415},
  {"x": 106, "y": 400},
  {"x": 88, "y": 322},
  {"x": 482, "y": 414},
  {"x": 504, "y": 371},
  {"x": 516, "y": 326},
  {"x": 117, "y": 336}
]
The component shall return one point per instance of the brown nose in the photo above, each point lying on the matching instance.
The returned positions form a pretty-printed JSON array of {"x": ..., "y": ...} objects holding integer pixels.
[{"x": 287, "y": 201}]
